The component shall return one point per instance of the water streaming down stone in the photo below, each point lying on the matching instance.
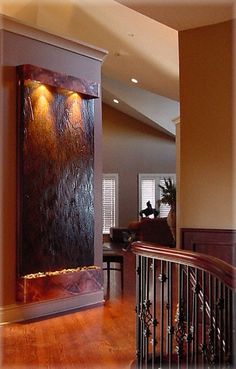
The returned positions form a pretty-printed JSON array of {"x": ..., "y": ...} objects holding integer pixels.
[{"x": 57, "y": 206}]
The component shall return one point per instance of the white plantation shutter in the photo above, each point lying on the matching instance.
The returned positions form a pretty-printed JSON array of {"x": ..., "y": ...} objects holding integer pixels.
[
  {"x": 109, "y": 201},
  {"x": 149, "y": 190}
]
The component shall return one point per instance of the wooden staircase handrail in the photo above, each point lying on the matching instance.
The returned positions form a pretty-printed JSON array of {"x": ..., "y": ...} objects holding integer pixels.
[{"x": 218, "y": 268}]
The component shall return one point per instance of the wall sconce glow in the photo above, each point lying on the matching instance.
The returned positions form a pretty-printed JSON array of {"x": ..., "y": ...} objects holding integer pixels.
[
  {"x": 74, "y": 105},
  {"x": 134, "y": 80},
  {"x": 116, "y": 101}
]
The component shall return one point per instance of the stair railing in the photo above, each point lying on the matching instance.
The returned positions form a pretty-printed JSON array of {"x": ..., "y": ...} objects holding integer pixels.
[{"x": 185, "y": 309}]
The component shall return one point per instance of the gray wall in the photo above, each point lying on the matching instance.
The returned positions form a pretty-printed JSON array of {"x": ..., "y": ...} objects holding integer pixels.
[{"x": 130, "y": 148}]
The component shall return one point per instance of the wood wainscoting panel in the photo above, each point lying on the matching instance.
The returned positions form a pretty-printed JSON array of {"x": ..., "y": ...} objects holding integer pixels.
[{"x": 220, "y": 243}]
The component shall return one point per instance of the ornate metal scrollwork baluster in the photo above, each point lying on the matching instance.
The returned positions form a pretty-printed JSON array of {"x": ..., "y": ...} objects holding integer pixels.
[
  {"x": 146, "y": 315},
  {"x": 196, "y": 291},
  {"x": 220, "y": 306},
  {"x": 162, "y": 278},
  {"x": 211, "y": 358},
  {"x": 203, "y": 345},
  {"x": 180, "y": 330},
  {"x": 154, "y": 321},
  {"x": 138, "y": 300},
  {"x": 169, "y": 307},
  {"x": 180, "y": 333},
  {"x": 189, "y": 332}
]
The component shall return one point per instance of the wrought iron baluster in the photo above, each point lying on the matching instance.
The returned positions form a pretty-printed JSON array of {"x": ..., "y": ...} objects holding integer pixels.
[
  {"x": 143, "y": 312},
  {"x": 210, "y": 350},
  {"x": 197, "y": 289},
  {"x": 145, "y": 315},
  {"x": 226, "y": 326},
  {"x": 216, "y": 352},
  {"x": 180, "y": 326},
  {"x": 233, "y": 328},
  {"x": 146, "y": 311},
  {"x": 189, "y": 336},
  {"x": 230, "y": 330},
  {"x": 142, "y": 352},
  {"x": 203, "y": 345},
  {"x": 170, "y": 328},
  {"x": 192, "y": 301},
  {"x": 220, "y": 306},
  {"x": 193, "y": 281},
  {"x": 162, "y": 278},
  {"x": 154, "y": 322},
  {"x": 138, "y": 308}
]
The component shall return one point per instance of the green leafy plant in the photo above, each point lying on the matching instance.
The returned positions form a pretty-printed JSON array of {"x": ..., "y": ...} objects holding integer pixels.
[{"x": 168, "y": 192}]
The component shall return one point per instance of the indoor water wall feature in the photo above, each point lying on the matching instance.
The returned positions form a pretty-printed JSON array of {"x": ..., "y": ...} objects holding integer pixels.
[{"x": 55, "y": 186}]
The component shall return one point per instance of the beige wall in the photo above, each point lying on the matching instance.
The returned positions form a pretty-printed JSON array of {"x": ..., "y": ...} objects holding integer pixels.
[
  {"x": 129, "y": 148},
  {"x": 206, "y": 95}
]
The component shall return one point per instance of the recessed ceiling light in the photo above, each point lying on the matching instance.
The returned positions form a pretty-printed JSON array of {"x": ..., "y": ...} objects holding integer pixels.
[
  {"x": 116, "y": 101},
  {"x": 134, "y": 80}
]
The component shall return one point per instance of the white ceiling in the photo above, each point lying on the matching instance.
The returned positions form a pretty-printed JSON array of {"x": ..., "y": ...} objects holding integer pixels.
[{"x": 138, "y": 45}]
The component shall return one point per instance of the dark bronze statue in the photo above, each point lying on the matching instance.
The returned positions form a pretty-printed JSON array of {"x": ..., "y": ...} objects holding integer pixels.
[{"x": 149, "y": 211}]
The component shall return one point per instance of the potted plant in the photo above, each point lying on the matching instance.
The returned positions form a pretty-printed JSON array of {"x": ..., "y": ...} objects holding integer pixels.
[{"x": 169, "y": 197}]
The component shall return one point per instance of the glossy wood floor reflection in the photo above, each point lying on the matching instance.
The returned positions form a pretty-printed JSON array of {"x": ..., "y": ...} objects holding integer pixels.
[{"x": 95, "y": 338}]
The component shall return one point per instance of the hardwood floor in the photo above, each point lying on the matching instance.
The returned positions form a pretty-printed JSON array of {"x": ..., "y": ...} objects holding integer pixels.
[{"x": 95, "y": 338}]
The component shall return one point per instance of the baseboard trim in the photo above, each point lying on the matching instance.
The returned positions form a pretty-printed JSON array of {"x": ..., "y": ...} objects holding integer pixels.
[{"x": 22, "y": 312}]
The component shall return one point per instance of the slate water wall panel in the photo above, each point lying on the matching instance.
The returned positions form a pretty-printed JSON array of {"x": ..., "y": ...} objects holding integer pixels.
[{"x": 56, "y": 131}]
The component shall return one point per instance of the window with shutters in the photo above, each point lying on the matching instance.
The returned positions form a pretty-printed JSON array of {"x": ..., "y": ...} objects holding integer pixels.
[
  {"x": 149, "y": 190},
  {"x": 109, "y": 202}
]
